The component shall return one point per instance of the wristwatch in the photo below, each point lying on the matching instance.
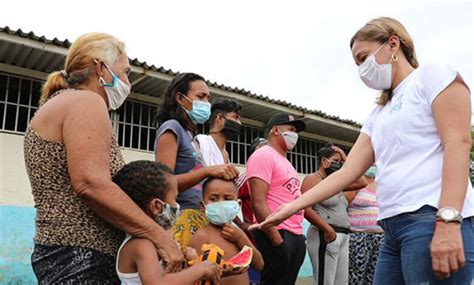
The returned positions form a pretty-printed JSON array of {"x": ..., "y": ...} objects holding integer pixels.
[{"x": 449, "y": 215}]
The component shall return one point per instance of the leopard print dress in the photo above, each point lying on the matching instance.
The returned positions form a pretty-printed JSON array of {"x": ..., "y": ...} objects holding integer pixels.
[{"x": 67, "y": 230}]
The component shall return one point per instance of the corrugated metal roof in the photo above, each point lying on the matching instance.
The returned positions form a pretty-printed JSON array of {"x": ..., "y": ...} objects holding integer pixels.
[
  {"x": 47, "y": 62},
  {"x": 38, "y": 54}
]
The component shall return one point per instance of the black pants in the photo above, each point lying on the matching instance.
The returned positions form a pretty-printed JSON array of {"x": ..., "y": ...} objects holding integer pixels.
[
  {"x": 282, "y": 262},
  {"x": 53, "y": 264}
]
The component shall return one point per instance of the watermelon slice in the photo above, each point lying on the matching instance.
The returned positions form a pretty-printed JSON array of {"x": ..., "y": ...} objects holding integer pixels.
[
  {"x": 242, "y": 259},
  {"x": 214, "y": 253}
]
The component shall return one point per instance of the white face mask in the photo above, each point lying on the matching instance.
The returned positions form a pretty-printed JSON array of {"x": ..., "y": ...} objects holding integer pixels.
[
  {"x": 374, "y": 75},
  {"x": 117, "y": 91},
  {"x": 291, "y": 138}
]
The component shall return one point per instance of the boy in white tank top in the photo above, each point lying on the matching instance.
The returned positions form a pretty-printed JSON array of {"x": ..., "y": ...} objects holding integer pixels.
[{"x": 153, "y": 187}]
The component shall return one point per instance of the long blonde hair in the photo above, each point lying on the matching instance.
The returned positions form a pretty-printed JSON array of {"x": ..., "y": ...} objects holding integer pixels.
[
  {"x": 80, "y": 60},
  {"x": 380, "y": 30}
]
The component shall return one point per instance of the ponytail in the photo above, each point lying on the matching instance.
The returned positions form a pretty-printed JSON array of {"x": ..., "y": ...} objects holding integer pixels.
[
  {"x": 80, "y": 62},
  {"x": 54, "y": 83}
]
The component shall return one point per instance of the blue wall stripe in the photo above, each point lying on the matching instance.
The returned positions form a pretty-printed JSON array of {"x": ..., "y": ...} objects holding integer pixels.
[{"x": 17, "y": 229}]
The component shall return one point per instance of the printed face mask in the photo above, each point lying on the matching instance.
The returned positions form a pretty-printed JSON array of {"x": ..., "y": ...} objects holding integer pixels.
[
  {"x": 374, "y": 75},
  {"x": 117, "y": 91},
  {"x": 168, "y": 216},
  {"x": 220, "y": 213}
]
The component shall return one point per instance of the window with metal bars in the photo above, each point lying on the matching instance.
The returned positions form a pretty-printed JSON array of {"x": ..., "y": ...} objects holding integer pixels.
[
  {"x": 134, "y": 124},
  {"x": 19, "y": 98},
  {"x": 303, "y": 156}
]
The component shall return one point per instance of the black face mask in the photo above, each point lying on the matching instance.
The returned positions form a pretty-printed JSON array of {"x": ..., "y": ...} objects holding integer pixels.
[
  {"x": 335, "y": 166},
  {"x": 231, "y": 129}
]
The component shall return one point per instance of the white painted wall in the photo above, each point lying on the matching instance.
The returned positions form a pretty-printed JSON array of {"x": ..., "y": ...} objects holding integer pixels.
[{"x": 14, "y": 185}]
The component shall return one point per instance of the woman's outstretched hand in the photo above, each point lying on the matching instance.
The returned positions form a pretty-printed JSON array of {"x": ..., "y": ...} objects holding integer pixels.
[{"x": 284, "y": 212}]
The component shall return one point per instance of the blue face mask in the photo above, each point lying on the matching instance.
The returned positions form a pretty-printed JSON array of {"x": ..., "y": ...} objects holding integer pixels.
[
  {"x": 201, "y": 111},
  {"x": 220, "y": 213}
]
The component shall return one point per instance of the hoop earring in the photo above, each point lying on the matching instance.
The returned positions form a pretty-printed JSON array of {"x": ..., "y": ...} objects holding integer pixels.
[{"x": 394, "y": 57}]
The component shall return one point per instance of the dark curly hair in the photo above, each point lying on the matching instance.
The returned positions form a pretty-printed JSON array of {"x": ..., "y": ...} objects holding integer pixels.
[
  {"x": 171, "y": 108},
  {"x": 144, "y": 180},
  {"x": 224, "y": 106}
]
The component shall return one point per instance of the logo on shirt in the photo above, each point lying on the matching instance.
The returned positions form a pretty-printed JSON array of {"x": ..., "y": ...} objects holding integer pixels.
[
  {"x": 396, "y": 104},
  {"x": 292, "y": 185}
]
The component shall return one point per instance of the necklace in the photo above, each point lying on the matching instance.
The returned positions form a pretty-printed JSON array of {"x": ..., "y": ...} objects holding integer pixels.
[{"x": 320, "y": 175}]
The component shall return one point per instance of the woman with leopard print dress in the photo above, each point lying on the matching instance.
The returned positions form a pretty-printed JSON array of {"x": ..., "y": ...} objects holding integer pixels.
[{"x": 70, "y": 156}]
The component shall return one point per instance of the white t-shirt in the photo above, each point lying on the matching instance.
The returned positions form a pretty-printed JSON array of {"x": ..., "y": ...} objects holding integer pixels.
[
  {"x": 210, "y": 152},
  {"x": 407, "y": 146}
]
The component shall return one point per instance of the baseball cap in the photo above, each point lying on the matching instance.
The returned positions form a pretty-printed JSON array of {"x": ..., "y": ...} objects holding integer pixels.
[{"x": 283, "y": 118}]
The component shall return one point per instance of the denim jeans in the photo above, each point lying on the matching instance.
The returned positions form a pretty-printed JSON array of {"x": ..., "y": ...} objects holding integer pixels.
[{"x": 405, "y": 256}]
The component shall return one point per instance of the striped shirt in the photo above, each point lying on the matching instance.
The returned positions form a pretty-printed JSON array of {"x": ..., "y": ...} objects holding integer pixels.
[{"x": 363, "y": 212}]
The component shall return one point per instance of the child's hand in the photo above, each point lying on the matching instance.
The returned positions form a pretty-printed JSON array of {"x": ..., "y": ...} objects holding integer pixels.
[
  {"x": 245, "y": 227},
  {"x": 190, "y": 253},
  {"x": 210, "y": 270},
  {"x": 230, "y": 270},
  {"x": 232, "y": 233}
]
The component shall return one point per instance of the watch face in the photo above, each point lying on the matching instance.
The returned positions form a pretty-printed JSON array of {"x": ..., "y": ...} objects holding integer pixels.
[{"x": 448, "y": 214}]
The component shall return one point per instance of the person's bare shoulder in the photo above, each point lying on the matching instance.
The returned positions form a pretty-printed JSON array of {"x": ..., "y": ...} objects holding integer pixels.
[
  {"x": 135, "y": 250},
  {"x": 87, "y": 98},
  {"x": 137, "y": 247},
  {"x": 77, "y": 98},
  {"x": 309, "y": 181}
]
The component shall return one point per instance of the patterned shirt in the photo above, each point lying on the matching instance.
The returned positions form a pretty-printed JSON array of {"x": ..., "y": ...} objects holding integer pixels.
[{"x": 363, "y": 212}]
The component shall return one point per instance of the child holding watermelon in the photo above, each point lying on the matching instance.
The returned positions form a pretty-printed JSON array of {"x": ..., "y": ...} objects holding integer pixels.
[
  {"x": 153, "y": 187},
  {"x": 221, "y": 206}
]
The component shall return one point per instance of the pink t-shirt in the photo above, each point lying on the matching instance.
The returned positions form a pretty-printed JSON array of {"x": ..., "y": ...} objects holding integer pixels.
[{"x": 283, "y": 180}]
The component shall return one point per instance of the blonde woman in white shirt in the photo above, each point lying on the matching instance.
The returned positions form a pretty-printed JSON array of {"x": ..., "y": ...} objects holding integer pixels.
[{"x": 419, "y": 137}]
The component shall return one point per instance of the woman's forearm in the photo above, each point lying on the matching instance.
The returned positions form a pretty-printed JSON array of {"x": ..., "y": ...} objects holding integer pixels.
[
  {"x": 360, "y": 183},
  {"x": 455, "y": 175},
  {"x": 110, "y": 203},
  {"x": 316, "y": 220},
  {"x": 188, "y": 180},
  {"x": 327, "y": 188}
]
